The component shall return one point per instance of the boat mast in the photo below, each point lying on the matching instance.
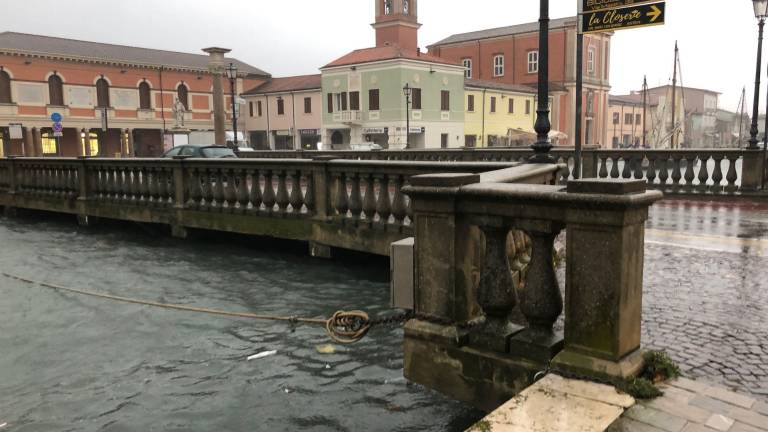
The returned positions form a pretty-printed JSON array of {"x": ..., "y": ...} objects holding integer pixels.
[
  {"x": 672, "y": 143},
  {"x": 645, "y": 107},
  {"x": 741, "y": 112}
]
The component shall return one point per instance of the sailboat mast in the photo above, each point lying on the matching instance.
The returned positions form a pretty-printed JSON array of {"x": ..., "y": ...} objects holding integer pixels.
[
  {"x": 645, "y": 107},
  {"x": 741, "y": 113},
  {"x": 672, "y": 144}
]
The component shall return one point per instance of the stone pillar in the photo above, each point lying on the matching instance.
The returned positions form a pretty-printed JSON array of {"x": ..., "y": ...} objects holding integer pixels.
[
  {"x": 130, "y": 151},
  {"x": 752, "y": 170},
  {"x": 29, "y": 144},
  {"x": 216, "y": 67},
  {"x": 37, "y": 140},
  {"x": 604, "y": 278}
]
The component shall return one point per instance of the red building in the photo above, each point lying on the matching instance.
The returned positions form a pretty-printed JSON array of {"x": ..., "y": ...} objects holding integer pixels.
[
  {"x": 511, "y": 55},
  {"x": 136, "y": 88}
]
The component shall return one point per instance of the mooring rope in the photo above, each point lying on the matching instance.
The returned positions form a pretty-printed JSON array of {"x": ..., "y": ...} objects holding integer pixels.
[{"x": 344, "y": 327}]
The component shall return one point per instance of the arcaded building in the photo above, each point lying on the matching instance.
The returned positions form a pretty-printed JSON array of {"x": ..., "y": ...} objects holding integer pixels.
[{"x": 137, "y": 88}]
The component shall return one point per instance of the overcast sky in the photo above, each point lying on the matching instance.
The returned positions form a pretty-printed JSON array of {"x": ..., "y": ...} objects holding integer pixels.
[{"x": 718, "y": 39}]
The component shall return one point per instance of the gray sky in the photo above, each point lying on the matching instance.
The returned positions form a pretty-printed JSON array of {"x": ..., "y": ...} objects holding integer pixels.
[{"x": 718, "y": 39}]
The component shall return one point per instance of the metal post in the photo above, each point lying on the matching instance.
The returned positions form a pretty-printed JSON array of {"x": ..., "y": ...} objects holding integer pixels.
[
  {"x": 234, "y": 112},
  {"x": 542, "y": 146},
  {"x": 672, "y": 141},
  {"x": 645, "y": 108},
  {"x": 407, "y": 117},
  {"x": 753, "y": 131},
  {"x": 579, "y": 102}
]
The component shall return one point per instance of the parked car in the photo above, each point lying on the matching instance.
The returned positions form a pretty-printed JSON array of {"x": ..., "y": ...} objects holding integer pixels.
[{"x": 207, "y": 152}]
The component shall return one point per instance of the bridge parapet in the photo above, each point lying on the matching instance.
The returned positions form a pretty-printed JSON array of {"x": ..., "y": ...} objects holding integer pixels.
[{"x": 488, "y": 363}]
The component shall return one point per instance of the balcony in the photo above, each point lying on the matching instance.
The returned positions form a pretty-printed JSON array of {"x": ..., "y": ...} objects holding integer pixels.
[{"x": 351, "y": 117}]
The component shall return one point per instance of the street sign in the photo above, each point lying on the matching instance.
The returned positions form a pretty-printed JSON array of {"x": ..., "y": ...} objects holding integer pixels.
[
  {"x": 598, "y": 5},
  {"x": 56, "y": 117},
  {"x": 58, "y": 129},
  {"x": 104, "y": 119},
  {"x": 624, "y": 18}
]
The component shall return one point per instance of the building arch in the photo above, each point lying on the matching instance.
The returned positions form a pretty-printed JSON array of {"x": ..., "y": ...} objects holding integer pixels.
[
  {"x": 182, "y": 93},
  {"x": 102, "y": 92},
  {"x": 337, "y": 138},
  {"x": 145, "y": 95},
  {"x": 55, "y": 72},
  {"x": 55, "y": 90},
  {"x": 5, "y": 87},
  {"x": 102, "y": 77}
]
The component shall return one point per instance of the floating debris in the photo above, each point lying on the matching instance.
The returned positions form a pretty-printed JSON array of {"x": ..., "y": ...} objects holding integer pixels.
[
  {"x": 262, "y": 355},
  {"x": 326, "y": 349}
]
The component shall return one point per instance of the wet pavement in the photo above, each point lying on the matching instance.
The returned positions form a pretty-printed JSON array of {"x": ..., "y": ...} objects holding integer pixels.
[{"x": 706, "y": 290}]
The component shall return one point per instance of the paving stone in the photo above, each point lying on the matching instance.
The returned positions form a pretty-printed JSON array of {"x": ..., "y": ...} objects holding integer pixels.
[
  {"x": 693, "y": 427},
  {"x": 741, "y": 427},
  {"x": 588, "y": 390},
  {"x": 749, "y": 417},
  {"x": 761, "y": 407},
  {"x": 689, "y": 384},
  {"x": 680, "y": 409},
  {"x": 654, "y": 417},
  {"x": 730, "y": 397},
  {"x": 629, "y": 425},
  {"x": 720, "y": 422},
  {"x": 713, "y": 405}
]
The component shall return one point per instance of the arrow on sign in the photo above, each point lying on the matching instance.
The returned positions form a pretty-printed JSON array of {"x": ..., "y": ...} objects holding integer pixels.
[{"x": 654, "y": 14}]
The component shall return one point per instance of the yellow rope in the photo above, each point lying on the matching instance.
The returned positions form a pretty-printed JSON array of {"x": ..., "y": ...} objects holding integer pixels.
[{"x": 343, "y": 327}]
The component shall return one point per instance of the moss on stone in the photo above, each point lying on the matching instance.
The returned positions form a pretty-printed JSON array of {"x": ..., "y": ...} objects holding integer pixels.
[{"x": 481, "y": 426}]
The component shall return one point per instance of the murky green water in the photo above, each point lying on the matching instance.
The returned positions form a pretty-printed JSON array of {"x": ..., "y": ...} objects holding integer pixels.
[{"x": 80, "y": 364}]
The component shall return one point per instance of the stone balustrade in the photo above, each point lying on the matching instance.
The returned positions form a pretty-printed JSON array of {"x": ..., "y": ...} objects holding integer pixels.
[{"x": 487, "y": 363}]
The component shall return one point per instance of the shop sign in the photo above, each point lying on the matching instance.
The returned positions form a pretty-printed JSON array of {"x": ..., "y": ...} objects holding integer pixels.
[
  {"x": 374, "y": 131},
  {"x": 308, "y": 132},
  {"x": 417, "y": 130}
]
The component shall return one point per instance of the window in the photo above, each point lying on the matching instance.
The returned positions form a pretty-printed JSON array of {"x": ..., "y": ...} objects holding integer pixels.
[
  {"x": 56, "y": 90},
  {"x": 511, "y": 106},
  {"x": 49, "y": 143},
  {"x": 387, "y": 7},
  {"x": 467, "y": 68},
  {"x": 330, "y": 103},
  {"x": 591, "y": 61},
  {"x": 102, "y": 93},
  {"x": 145, "y": 98},
  {"x": 183, "y": 94},
  {"x": 406, "y": 7},
  {"x": 354, "y": 101},
  {"x": 616, "y": 117},
  {"x": 307, "y": 105},
  {"x": 527, "y": 107},
  {"x": 250, "y": 109},
  {"x": 445, "y": 100},
  {"x": 444, "y": 140},
  {"x": 493, "y": 104},
  {"x": 471, "y": 103},
  {"x": 280, "y": 106},
  {"x": 343, "y": 101},
  {"x": 627, "y": 140},
  {"x": 373, "y": 100},
  {"x": 5, "y": 87},
  {"x": 628, "y": 119},
  {"x": 92, "y": 149},
  {"x": 416, "y": 100},
  {"x": 533, "y": 61},
  {"x": 498, "y": 65},
  {"x": 258, "y": 108},
  {"x": 470, "y": 140},
  {"x": 638, "y": 119}
]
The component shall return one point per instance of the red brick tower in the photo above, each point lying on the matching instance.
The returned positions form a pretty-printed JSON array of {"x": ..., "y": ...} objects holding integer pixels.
[{"x": 397, "y": 23}]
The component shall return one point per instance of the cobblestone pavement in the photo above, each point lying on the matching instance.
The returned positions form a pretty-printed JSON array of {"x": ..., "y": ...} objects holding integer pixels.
[
  {"x": 692, "y": 406},
  {"x": 706, "y": 291}
]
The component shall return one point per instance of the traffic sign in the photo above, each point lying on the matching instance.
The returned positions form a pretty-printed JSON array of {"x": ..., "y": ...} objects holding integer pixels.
[
  {"x": 57, "y": 127},
  {"x": 56, "y": 117},
  {"x": 598, "y": 5},
  {"x": 624, "y": 18}
]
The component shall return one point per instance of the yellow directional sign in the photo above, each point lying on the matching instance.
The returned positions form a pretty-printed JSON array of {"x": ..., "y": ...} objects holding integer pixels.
[{"x": 624, "y": 18}]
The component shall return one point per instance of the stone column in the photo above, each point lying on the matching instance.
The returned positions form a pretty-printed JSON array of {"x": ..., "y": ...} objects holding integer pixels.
[
  {"x": 37, "y": 140},
  {"x": 752, "y": 170},
  {"x": 29, "y": 144},
  {"x": 216, "y": 67},
  {"x": 131, "y": 150}
]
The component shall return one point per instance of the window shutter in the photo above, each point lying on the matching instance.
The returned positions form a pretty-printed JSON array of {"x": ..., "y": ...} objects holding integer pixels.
[
  {"x": 56, "y": 90},
  {"x": 330, "y": 103},
  {"x": 343, "y": 101},
  {"x": 5, "y": 87}
]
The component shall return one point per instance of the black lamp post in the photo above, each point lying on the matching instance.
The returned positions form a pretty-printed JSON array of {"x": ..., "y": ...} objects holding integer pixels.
[
  {"x": 542, "y": 146},
  {"x": 407, "y": 91},
  {"x": 761, "y": 10},
  {"x": 232, "y": 75}
]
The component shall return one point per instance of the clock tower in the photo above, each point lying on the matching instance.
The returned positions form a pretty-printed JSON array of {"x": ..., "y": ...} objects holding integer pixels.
[{"x": 397, "y": 24}]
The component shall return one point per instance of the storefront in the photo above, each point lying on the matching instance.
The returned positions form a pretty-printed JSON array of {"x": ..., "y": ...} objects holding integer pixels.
[
  {"x": 376, "y": 135},
  {"x": 309, "y": 138}
]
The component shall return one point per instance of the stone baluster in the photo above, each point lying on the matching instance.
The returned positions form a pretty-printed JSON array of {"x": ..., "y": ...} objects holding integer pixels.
[
  {"x": 690, "y": 176},
  {"x": 295, "y": 198},
  {"x": 615, "y": 166},
  {"x": 603, "y": 173},
  {"x": 717, "y": 174},
  {"x": 355, "y": 199},
  {"x": 732, "y": 175},
  {"x": 120, "y": 184},
  {"x": 309, "y": 196},
  {"x": 663, "y": 170},
  {"x": 369, "y": 202},
  {"x": 218, "y": 189},
  {"x": 282, "y": 192},
  {"x": 109, "y": 183},
  {"x": 495, "y": 292},
  {"x": 167, "y": 187},
  {"x": 677, "y": 174},
  {"x": 639, "y": 174},
  {"x": 703, "y": 173},
  {"x": 629, "y": 166},
  {"x": 207, "y": 187},
  {"x": 651, "y": 172},
  {"x": 384, "y": 204},
  {"x": 341, "y": 203},
  {"x": 133, "y": 184},
  {"x": 269, "y": 192},
  {"x": 193, "y": 193},
  {"x": 151, "y": 184},
  {"x": 254, "y": 195},
  {"x": 242, "y": 190},
  {"x": 398, "y": 200},
  {"x": 229, "y": 189}
]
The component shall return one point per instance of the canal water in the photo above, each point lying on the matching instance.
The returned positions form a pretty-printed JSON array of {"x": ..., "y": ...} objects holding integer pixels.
[{"x": 71, "y": 363}]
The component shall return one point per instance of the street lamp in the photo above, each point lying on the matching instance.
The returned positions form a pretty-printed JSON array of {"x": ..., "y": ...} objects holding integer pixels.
[
  {"x": 407, "y": 91},
  {"x": 232, "y": 75},
  {"x": 542, "y": 146},
  {"x": 761, "y": 10}
]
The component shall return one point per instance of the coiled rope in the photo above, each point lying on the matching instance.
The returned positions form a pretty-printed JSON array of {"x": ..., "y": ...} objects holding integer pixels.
[{"x": 343, "y": 327}]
